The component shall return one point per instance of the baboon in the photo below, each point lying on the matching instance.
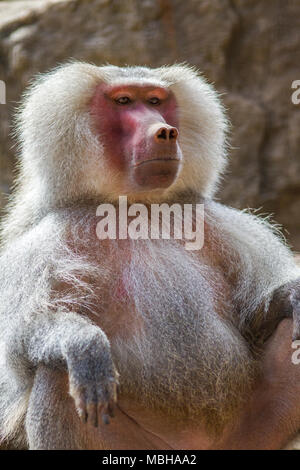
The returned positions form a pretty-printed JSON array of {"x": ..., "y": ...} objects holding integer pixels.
[{"x": 130, "y": 343}]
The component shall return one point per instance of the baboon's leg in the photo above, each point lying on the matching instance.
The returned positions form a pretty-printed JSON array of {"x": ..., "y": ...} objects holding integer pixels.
[{"x": 53, "y": 423}]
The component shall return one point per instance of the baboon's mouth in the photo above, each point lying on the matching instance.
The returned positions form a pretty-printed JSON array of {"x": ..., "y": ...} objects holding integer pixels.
[
  {"x": 156, "y": 173},
  {"x": 161, "y": 159}
]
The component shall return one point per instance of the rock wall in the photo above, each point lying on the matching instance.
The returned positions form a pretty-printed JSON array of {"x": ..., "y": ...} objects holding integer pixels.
[{"x": 250, "y": 49}]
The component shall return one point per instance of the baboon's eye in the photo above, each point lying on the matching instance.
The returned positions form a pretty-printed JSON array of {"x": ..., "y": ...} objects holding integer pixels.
[
  {"x": 155, "y": 101},
  {"x": 123, "y": 100}
]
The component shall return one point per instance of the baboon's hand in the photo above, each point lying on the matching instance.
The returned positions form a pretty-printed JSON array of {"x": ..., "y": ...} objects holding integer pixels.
[
  {"x": 286, "y": 303},
  {"x": 295, "y": 301},
  {"x": 93, "y": 379}
]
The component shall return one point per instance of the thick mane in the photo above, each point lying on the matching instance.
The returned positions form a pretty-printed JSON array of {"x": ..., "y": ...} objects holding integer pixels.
[{"x": 61, "y": 157}]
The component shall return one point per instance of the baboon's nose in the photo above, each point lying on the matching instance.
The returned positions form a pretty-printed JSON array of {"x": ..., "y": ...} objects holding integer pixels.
[{"x": 166, "y": 134}]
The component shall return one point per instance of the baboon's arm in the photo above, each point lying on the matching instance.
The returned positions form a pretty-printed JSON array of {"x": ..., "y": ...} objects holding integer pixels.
[{"x": 66, "y": 340}]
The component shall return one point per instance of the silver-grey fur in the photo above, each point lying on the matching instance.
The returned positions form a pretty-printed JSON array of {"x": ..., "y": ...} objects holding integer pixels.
[{"x": 58, "y": 282}]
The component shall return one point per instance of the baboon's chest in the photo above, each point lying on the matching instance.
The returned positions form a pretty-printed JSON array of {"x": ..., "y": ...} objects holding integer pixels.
[
  {"x": 153, "y": 283},
  {"x": 144, "y": 283}
]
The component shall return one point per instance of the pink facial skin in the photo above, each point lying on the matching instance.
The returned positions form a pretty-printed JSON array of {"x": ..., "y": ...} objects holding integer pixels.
[{"x": 138, "y": 126}]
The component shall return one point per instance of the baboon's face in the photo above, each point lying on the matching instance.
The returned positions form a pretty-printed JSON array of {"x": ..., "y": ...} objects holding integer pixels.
[{"x": 138, "y": 126}]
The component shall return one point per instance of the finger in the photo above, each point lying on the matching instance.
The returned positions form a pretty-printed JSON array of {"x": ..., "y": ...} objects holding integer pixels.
[
  {"x": 296, "y": 333},
  {"x": 80, "y": 403},
  {"x": 115, "y": 391},
  {"x": 105, "y": 419},
  {"x": 92, "y": 413},
  {"x": 100, "y": 410},
  {"x": 104, "y": 412},
  {"x": 296, "y": 325},
  {"x": 110, "y": 410},
  {"x": 112, "y": 391},
  {"x": 82, "y": 412}
]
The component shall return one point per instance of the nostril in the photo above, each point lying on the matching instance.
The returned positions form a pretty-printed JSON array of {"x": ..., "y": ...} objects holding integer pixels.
[
  {"x": 162, "y": 134},
  {"x": 173, "y": 134}
]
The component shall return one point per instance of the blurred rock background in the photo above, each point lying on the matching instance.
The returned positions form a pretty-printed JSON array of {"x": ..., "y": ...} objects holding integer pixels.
[{"x": 250, "y": 50}]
